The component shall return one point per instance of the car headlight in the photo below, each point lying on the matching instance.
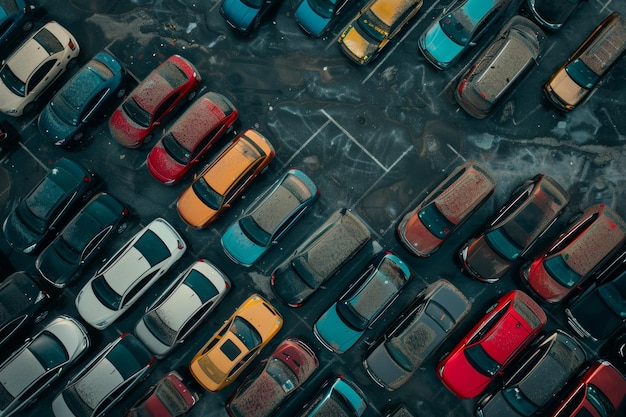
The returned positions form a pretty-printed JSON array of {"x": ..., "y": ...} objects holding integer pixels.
[
  {"x": 102, "y": 323},
  {"x": 11, "y": 111},
  {"x": 30, "y": 248},
  {"x": 60, "y": 142}
]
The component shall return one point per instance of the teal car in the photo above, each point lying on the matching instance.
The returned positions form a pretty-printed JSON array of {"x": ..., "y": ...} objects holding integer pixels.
[
  {"x": 246, "y": 15},
  {"x": 365, "y": 300},
  {"x": 458, "y": 29},
  {"x": 269, "y": 217},
  {"x": 315, "y": 17},
  {"x": 338, "y": 398},
  {"x": 16, "y": 19}
]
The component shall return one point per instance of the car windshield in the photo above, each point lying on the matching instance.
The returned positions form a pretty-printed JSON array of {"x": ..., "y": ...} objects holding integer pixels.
[
  {"x": 48, "y": 350},
  {"x": 206, "y": 194},
  {"x": 66, "y": 251},
  {"x": 582, "y": 74},
  {"x": 518, "y": 401},
  {"x": 170, "y": 397},
  {"x": 76, "y": 403},
  {"x": 255, "y": 4},
  {"x": 245, "y": 332},
  {"x": 459, "y": 27},
  {"x": 152, "y": 248},
  {"x": 481, "y": 361},
  {"x": 254, "y": 232},
  {"x": 105, "y": 294},
  {"x": 324, "y": 8},
  {"x": 204, "y": 289},
  {"x": 174, "y": 149},
  {"x": 502, "y": 244},
  {"x": 282, "y": 374},
  {"x": 65, "y": 110},
  {"x": 50, "y": 43},
  {"x": 136, "y": 113},
  {"x": 561, "y": 272},
  {"x": 17, "y": 86},
  {"x": 435, "y": 222},
  {"x": 160, "y": 327},
  {"x": 372, "y": 26},
  {"x": 600, "y": 401}
]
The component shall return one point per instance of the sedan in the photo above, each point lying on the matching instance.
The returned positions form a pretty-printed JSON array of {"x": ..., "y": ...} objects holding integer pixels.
[
  {"x": 246, "y": 15},
  {"x": 48, "y": 206},
  {"x": 31, "y": 369},
  {"x": 170, "y": 397},
  {"x": 182, "y": 145},
  {"x": 64, "y": 119},
  {"x": 365, "y": 300},
  {"x": 287, "y": 368},
  {"x": 500, "y": 68},
  {"x": 23, "y": 303},
  {"x": 576, "y": 254},
  {"x": 339, "y": 397},
  {"x": 235, "y": 345},
  {"x": 17, "y": 19},
  {"x": 320, "y": 257},
  {"x": 182, "y": 307},
  {"x": 519, "y": 224},
  {"x": 105, "y": 380},
  {"x": 494, "y": 342},
  {"x": 316, "y": 17},
  {"x": 552, "y": 14},
  {"x": 225, "y": 179},
  {"x": 416, "y": 334},
  {"x": 269, "y": 217},
  {"x": 128, "y": 274},
  {"x": 376, "y": 24},
  {"x": 424, "y": 229},
  {"x": 34, "y": 66},
  {"x": 537, "y": 379},
  {"x": 82, "y": 240},
  {"x": 458, "y": 29},
  {"x": 134, "y": 121}
]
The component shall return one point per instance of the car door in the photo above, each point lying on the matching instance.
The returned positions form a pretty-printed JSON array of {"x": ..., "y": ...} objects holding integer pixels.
[{"x": 39, "y": 79}]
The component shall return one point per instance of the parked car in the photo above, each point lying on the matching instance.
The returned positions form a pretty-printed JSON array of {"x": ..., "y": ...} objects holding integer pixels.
[
  {"x": 169, "y": 397},
  {"x": 23, "y": 303},
  {"x": 320, "y": 257},
  {"x": 493, "y": 343},
  {"x": 424, "y": 229},
  {"x": 365, "y": 300},
  {"x": 48, "y": 206},
  {"x": 9, "y": 138},
  {"x": 316, "y": 17},
  {"x": 415, "y": 335},
  {"x": 17, "y": 19},
  {"x": 376, "y": 24},
  {"x": 262, "y": 393},
  {"x": 537, "y": 380},
  {"x": 82, "y": 240},
  {"x": 184, "y": 144},
  {"x": 34, "y": 66},
  {"x": 399, "y": 411},
  {"x": 600, "y": 310},
  {"x": 235, "y": 345},
  {"x": 575, "y": 255},
  {"x": 128, "y": 274},
  {"x": 338, "y": 397},
  {"x": 519, "y": 224},
  {"x": 225, "y": 179},
  {"x": 269, "y": 217},
  {"x": 105, "y": 380},
  {"x": 246, "y": 16},
  {"x": 182, "y": 307},
  {"x": 460, "y": 27},
  {"x": 599, "y": 391},
  {"x": 580, "y": 75},
  {"x": 64, "y": 119},
  {"x": 552, "y": 14},
  {"x": 614, "y": 350},
  {"x": 500, "y": 68},
  {"x": 166, "y": 87},
  {"x": 39, "y": 362}
]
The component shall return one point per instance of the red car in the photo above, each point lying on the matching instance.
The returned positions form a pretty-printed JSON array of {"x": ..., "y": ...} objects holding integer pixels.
[
  {"x": 176, "y": 79},
  {"x": 190, "y": 137},
  {"x": 576, "y": 254},
  {"x": 599, "y": 392},
  {"x": 509, "y": 326},
  {"x": 170, "y": 397}
]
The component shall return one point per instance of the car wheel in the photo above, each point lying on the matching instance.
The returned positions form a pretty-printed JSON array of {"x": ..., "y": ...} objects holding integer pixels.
[
  {"x": 491, "y": 308},
  {"x": 192, "y": 95},
  {"x": 87, "y": 195},
  {"x": 27, "y": 26},
  {"x": 28, "y": 108},
  {"x": 41, "y": 317},
  {"x": 120, "y": 93},
  {"x": 71, "y": 64},
  {"x": 121, "y": 228}
]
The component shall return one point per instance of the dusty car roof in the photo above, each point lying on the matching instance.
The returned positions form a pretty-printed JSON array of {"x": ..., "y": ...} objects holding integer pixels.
[
  {"x": 608, "y": 48},
  {"x": 389, "y": 11}
]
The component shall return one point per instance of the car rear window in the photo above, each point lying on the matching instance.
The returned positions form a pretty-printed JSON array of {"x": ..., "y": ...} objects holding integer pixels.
[
  {"x": 526, "y": 312},
  {"x": 201, "y": 286},
  {"x": 152, "y": 248},
  {"x": 16, "y": 297},
  {"x": 128, "y": 356},
  {"x": 48, "y": 350},
  {"x": 173, "y": 74},
  {"x": 49, "y": 42},
  {"x": 9, "y": 6}
]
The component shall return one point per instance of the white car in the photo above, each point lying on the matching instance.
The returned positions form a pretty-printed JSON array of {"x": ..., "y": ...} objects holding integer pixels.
[
  {"x": 39, "y": 362},
  {"x": 125, "y": 277},
  {"x": 182, "y": 307},
  {"x": 34, "y": 66},
  {"x": 107, "y": 377}
]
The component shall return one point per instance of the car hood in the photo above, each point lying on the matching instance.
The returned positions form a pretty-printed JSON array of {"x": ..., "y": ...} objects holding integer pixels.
[
  {"x": 439, "y": 46},
  {"x": 462, "y": 378},
  {"x": 239, "y": 247},
  {"x": 384, "y": 369},
  {"x": 163, "y": 167},
  {"x": 54, "y": 268},
  {"x": 126, "y": 131},
  {"x": 10, "y": 101},
  {"x": 289, "y": 287},
  {"x": 333, "y": 332},
  {"x": 193, "y": 211},
  {"x": 566, "y": 89},
  {"x": 497, "y": 406},
  {"x": 417, "y": 237},
  {"x": 357, "y": 47},
  {"x": 18, "y": 235},
  {"x": 53, "y": 127},
  {"x": 542, "y": 283},
  {"x": 310, "y": 21},
  {"x": 92, "y": 310},
  {"x": 482, "y": 261},
  {"x": 238, "y": 14}
]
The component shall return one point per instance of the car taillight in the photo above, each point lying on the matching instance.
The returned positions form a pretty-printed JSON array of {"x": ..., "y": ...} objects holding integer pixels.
[
  {"x": 71, "y": 45},
  {"x": 125, "y": 212},
  {"x": 86, "y": 178}
]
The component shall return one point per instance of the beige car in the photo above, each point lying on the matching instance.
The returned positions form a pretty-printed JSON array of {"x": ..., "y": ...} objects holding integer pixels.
[
  {"x": 571, "y": 84},
  {"x": 34, "y": 66}
]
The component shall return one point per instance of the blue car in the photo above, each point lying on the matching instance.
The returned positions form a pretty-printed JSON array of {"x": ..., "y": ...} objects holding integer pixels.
[
  {"x": 338, "y": 398},
  {"x": 316, "y": 16},
  {"x": 16, "y": 18},
  {"x": 458, "y": 29},
  {"x": 63, "y": 120},
  {"x": 245, "y": 15},
  {"x": 365, "y": 300},
  {"x": 269, "y": 217}
]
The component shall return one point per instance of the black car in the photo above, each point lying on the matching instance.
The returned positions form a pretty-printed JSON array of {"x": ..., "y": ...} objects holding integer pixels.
[
  {"x": 44, "y": 211},
  {"x": 16, "y": 19},
  {"x": 23, "y": 302},
  {"x": 82, "y": 240},
  {"x": 552, "y": 14}
]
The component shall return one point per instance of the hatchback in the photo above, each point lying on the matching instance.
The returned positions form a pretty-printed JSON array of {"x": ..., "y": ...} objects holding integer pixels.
[
  {"x": 552, "y": 14},
  {"x": 519, "y": 224},
  {"x": 169, "y": 397},
  {"x": 424, "y": 229},
  {"x": 337, "y": 397},
  {"x": 269, "y": 217}
]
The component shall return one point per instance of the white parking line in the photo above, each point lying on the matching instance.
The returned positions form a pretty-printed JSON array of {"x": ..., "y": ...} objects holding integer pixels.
[
  {"x": 297, "y": 152},
  {"x": 33, "y": 156}
]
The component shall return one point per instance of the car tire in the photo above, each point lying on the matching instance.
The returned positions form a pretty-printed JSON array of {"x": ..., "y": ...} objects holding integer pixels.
[
  {"x": 27, "y": 26},
  {"x": 28, "y": 108},
  {"x": 87, "y": 195},
  {"x": 41, "y": 317},
  {"x": 121, "y": 228},
  {"x": 192, "y": 95},
  {"x": 71, "y": 64},
  {"x": 120, "y": 93}
]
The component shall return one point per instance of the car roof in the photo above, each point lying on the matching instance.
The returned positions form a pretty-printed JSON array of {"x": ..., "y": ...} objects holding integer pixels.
[
  {"x": 158, "y": 85},
  {"x": 389, "y": 11},
  {"x": 199, "y": 119},
  {"x": 609, "y": 46}
]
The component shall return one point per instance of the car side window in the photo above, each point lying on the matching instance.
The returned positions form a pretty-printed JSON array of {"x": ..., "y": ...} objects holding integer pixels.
[
  {"x": 93, "y": 105},
  {"x": 487, "y": 326},
  {"x": 243, "y": 362},
  {"x": 39, "y": 75},
  {"x": 138, "y": 287},
  {"x": 573, "y": 404},
  {"x": 193, "y": 320},
  {"x": 164, "y": 107},
  {"x": 5, "y": 26},
  {"x": 204, "y": 142},
  {"x": 486, "y": 21},
  {"x": 571, "y": 235},
  {"x": 94, "y": 243},
  {"x": 241, "y": 183},
  {"x": 60, "y": 210}
]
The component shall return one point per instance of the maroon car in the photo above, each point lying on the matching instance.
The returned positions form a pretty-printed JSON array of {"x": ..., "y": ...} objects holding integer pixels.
[{"x": 170, "y": 397}]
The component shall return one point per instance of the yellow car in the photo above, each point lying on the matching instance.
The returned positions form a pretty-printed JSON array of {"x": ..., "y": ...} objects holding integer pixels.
[
  {"x": 225, "y": 179},
  {"x": 375, "y": 25},
  {"x": 235, "y": 345}
]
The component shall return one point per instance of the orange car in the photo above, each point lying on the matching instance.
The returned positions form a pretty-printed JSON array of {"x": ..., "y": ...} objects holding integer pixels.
[
  {"x": 235, "y": 345},
  {"x": 225, "y": 179}
]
